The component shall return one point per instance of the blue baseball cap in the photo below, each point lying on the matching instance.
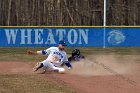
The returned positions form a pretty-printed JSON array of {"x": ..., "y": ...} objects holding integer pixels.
[{"x": 62, "y": 42}]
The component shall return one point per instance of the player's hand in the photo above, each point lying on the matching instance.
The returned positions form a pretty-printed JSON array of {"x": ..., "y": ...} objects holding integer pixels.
[{"x": 30, "y": 52}]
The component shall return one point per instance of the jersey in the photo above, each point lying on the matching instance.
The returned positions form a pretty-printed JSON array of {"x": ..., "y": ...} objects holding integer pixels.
[{"x": 56, "y": 56}]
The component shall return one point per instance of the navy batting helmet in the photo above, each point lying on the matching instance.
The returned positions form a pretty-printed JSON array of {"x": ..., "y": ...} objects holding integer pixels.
[{"x": 75, "y": 52}]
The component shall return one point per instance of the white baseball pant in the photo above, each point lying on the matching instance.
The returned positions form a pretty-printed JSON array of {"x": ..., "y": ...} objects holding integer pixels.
[{"x": 51, "y": 66}]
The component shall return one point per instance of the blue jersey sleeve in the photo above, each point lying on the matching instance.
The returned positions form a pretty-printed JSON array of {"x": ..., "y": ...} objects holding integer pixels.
[
  {"x": 47, "y": 51},
  {"x": 67, "y": 63},
  {"x": 44, "y": 52}
]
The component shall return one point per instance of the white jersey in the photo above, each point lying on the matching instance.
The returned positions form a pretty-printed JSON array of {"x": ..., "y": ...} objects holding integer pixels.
[{"x": 56, "y": 56}]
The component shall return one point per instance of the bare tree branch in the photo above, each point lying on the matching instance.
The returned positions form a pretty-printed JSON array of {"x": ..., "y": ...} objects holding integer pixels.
[
  {"x": 9, "y": 13},
  {"x": 69, "y": 13}
]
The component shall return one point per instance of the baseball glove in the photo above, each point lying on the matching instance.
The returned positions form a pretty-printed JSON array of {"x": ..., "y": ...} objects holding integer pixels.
[{"x": 30, "y": 52}]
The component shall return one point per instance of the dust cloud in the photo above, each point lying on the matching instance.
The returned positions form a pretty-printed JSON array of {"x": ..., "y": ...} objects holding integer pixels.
[{"x": 104, "y": 65}]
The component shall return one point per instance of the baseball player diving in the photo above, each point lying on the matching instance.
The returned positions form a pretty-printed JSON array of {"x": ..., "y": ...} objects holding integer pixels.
[
  {"x": 56, "y": 57},
  {"x": 76, "y": 56}
]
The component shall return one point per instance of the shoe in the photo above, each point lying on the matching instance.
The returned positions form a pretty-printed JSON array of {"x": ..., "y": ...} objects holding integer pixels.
[{"x": 37, "y": 66}]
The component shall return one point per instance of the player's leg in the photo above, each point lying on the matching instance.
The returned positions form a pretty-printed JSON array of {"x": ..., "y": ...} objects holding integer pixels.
[
  {"x": 58, "y": 69},
  {"x": 38, "y": 66},
  {"x": 49, "y": 65}
]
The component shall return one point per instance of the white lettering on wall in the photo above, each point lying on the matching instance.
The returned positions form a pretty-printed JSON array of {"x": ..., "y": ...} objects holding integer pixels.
[
  {"x": 38, "y": 36},
  {"x": 74, "y": 36},
  {"x": 47, "y": 36},
  {"x": 11, "y": 35},
  {"x": 83, "y": 34},
  {"x": 50, "y": 38},
  {"x": 26, "y": 34},
  {"x": 60, "y": 33}
]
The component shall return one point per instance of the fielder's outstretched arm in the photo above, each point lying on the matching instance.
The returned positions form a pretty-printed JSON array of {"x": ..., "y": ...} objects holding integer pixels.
[
  {"x": 43, "y": 52},
  {"x": 67, "y": 63}
]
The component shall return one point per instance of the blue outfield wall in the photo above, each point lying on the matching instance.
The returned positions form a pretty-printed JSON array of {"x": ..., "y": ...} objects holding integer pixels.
[{"x": 74, "y": 37}]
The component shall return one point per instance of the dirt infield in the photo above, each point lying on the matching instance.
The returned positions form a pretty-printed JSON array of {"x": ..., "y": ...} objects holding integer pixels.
[
  {"x": 97, "y": 77},
  {"x": 83, "y": 84}
]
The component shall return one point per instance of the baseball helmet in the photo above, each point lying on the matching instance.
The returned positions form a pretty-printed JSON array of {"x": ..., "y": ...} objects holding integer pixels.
[
  {"x": 75, "y": 52},
  {"x": 62, "y": 42}
]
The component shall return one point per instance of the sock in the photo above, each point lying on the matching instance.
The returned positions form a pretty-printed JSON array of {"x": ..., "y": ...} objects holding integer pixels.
[{"x": 41, "y": 65}]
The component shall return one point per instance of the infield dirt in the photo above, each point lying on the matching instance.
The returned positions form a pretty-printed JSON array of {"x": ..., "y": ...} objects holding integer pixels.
[{"x": 101, "y": 74}]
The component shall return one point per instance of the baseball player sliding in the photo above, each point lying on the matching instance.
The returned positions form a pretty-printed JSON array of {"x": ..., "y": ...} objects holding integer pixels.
[{"x": 56, "y": 57}]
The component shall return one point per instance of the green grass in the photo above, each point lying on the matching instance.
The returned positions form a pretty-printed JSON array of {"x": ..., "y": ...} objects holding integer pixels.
[
  {"x": 19, "y": 54},
  {"x": 18, "y": 83}
]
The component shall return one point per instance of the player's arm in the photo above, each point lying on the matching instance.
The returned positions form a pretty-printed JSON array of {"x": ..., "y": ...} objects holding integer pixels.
[
  {"x": 68, "y": 64},
  {"x": 43, "y": 52}
]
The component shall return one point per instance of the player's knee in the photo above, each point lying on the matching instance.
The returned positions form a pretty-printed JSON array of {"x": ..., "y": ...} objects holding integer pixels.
[{"x": 59, "y": 70}]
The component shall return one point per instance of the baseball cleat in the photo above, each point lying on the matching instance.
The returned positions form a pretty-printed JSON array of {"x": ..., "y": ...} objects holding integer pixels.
[{"x": 37, "y": 66}]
